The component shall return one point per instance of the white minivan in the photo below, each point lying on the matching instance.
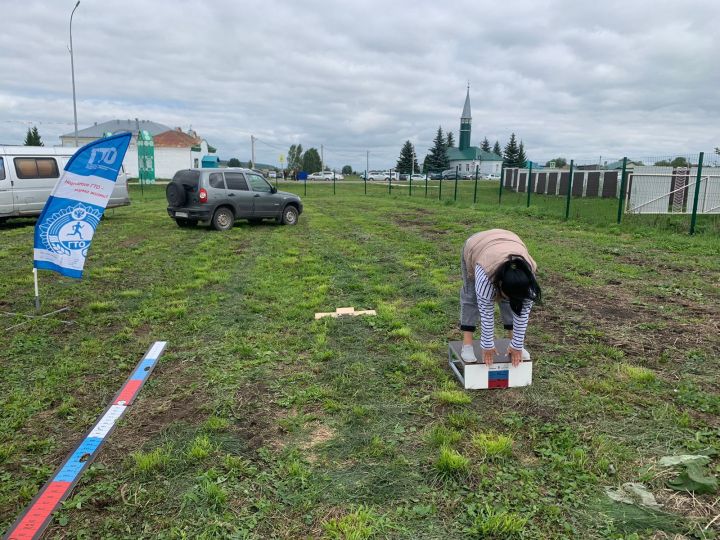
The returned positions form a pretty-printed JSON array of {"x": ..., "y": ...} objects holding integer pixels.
[{"x": 28, "y": 175}]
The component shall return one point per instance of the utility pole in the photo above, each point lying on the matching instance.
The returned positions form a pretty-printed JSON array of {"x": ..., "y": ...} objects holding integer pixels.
[
  {"x": 252, "y": 146},
  {"x": 72, "y": 69},
  {"x": 322, "y": 159}
]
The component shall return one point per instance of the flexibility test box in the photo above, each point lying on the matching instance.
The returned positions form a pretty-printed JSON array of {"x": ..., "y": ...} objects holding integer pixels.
[{"x": 478, "y": 376}]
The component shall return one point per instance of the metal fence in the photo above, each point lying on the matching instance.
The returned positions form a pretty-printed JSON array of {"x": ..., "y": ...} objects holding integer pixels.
[{"x": 676, "y": 192}]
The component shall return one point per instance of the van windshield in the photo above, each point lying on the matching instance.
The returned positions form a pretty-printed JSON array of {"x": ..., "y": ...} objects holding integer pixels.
[{"x": 187, "y": 178}]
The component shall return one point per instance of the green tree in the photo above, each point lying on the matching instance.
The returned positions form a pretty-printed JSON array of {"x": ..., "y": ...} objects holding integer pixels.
[
  {"x": 33, "y": 137},
  {"x": 521, "y": 157},
  {"x": 347, "y": 169},
  {"x": 426, "y": 166},
  {"x": 677, "y": 162},
  {"x": 294, "y": 157},
  {"x": 485, "y": 145},
  {"x": 437, "y": 158},
  {"x": 407, "y": 163},
  {"x": 560, "y": 162},
  {"x": 311, "y": 160},
  {"x": 510, "y": 155},
  {"x": 496, "y": 149},
  {"x": 234, "y": 162},
  {"x": 450, "y": 140}
]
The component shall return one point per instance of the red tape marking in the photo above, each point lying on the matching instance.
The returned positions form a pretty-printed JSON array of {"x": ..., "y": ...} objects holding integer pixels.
[{"x": 40, "y": 512}]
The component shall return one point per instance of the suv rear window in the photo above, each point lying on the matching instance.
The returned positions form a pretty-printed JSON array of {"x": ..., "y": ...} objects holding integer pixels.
[{"x": 187, "y": 178}]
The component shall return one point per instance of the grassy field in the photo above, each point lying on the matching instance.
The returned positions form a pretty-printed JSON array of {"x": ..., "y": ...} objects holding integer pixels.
[{"x": 260, "y": 422}]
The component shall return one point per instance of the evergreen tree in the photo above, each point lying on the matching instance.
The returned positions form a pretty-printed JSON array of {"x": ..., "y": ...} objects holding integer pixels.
[
  {"x": 407, "y": 162},
  {"x": 521, "y": 157},
  {"x": 426, "y": 166},
  {"x": 234, "y": 162},
  {"x": 450, "y": 142},
  {"x": 311, "y": 160},
  {"x": 347, "y": 169},
  {"x": 496, "y": 149},
  {"x": 32, "y": 138},
  {"x": 485, "y": 145},
  {"x": 510, "y": 156},
  {"x": 437, "y": 158}
]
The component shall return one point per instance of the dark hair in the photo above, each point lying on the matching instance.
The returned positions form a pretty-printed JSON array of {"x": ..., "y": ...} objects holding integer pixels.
[{"x": 516, "y": 280}]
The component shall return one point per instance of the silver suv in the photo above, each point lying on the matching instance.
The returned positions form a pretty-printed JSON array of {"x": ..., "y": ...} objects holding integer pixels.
[{"x": 220, "y": 196}]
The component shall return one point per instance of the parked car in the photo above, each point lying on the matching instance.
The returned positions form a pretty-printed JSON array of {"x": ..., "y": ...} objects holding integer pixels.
[
  {"x": 272, "y": 174},
  {"x": 316, "y": 176},
  {"x": 448, "y": 173},
  {"x": 378, "y": 176},
  {"x": 415, "y": 177},
  {"x": 492, "y": 176},
  {"x": 220, "y": 197},
  {"x": 435, "y": 175},
  {"x": 28, "y": 175}
]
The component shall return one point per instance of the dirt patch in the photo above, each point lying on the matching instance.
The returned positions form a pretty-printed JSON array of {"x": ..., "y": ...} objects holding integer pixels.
[
  {"x": 257, "y": 417},
  {"x": 686, "y": 504},
  {"x": 319, "y": 435},
  {"x": 646, "y": 331},
  {"x": 133, "y": 241}
]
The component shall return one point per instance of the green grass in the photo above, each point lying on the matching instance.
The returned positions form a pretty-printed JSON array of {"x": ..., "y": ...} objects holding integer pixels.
[{"x": 260, "y": 422}]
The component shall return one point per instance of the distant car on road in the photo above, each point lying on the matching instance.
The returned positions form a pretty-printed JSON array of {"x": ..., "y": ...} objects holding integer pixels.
[
  {"x": 491, "y": 177},
  {"x": 414, "y": 177},
  {"x": 435, "y": 175},
  {"x": 381, "y": 176},
  {"x": 316, "y": 176},
  {"x": 448, "y": 174}
]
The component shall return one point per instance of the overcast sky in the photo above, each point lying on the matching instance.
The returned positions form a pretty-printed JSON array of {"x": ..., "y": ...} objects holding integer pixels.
[{"x": 571, "y": 78}]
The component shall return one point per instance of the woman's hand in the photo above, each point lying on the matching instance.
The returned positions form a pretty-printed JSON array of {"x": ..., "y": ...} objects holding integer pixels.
[
  {"x": 489, "y": 356},
  {"x": 515, "y": 356}
]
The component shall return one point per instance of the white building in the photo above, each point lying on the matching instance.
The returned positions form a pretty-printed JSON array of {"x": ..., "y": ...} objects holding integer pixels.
[{"x": 174, "y": 149}]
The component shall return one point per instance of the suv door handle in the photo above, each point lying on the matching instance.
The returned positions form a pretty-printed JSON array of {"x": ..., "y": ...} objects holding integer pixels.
[
  {"x": 257, "y": 195},
  {"x": 231, "y": 194}
]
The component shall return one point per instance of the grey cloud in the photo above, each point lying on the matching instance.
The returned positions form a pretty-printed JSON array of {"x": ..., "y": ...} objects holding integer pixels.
[{"x": 570, "y": 78}]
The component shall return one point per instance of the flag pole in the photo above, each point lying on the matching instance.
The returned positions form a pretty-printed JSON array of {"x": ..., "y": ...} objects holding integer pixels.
[{"x": 37, "y": 292}]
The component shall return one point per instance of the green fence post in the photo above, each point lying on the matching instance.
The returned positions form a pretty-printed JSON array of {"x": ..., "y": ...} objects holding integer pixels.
[
  {"x": 440, "y": 189},
  {"x": 365, "y": 182},
  {"x": 410, "y": 186},
  {"x": 390, "y": 182},
  {"x": 426, "y": 178},
  {"x": 306, "y": 181},
  {"x": 477, "y": 168},
  {"x": 528, "y": 184},
  {"x": 693, "y": 219},
  {"x": 333, "y": 182},
  {"x": 502, "y": 181},
  {"x": 623, "y": 186},
  {"x": 456, "y": 179},
  {"x": 569, "y": 193}
]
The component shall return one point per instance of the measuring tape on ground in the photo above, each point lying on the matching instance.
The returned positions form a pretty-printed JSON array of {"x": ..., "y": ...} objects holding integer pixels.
[{"x": 37, "y": 516}]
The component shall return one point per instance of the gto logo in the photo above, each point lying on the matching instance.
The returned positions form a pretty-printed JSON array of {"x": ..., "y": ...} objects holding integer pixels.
[{"x": 102, "y": 158}]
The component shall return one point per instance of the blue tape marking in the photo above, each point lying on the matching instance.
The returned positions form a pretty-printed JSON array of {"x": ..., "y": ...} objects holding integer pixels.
[
  {"x": 499, "y": 375},
  {"x": 141, "y": 372},
  {"x": 73, "y": 467}
]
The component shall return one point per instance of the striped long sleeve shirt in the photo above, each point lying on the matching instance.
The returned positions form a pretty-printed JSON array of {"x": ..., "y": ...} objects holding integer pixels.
[{"x": 486, "y": 293}]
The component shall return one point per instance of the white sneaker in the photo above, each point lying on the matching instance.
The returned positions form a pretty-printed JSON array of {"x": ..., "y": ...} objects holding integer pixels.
[
  {"x": 468, "y": 354},
  {"x": 525, "y": 355}
]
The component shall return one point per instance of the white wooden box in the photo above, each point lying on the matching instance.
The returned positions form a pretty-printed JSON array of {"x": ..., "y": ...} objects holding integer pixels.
[{"x": 478, "y": 376}]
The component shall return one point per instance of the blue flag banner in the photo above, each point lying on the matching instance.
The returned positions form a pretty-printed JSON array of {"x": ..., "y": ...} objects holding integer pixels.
[{"x": 65, "y": 228}]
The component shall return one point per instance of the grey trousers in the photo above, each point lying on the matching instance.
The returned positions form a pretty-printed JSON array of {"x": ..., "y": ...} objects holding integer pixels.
[{"x": 469, "y": 312}]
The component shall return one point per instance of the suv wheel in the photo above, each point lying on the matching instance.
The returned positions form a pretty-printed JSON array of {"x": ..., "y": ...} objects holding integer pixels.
[
  {"x": 290, "y": 216},
  {"x": 223, "y": 219}
]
